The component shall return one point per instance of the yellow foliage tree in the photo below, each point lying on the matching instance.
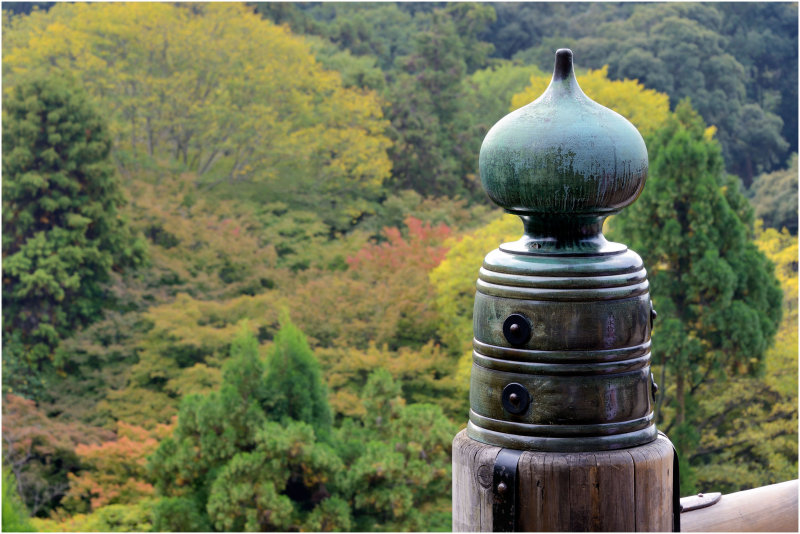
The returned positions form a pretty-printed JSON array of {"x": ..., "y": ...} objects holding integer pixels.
[
  {"x": 226, "y": 93},
  {"x": 645, "y": 108},
  {"x": 781, "y": 359}
]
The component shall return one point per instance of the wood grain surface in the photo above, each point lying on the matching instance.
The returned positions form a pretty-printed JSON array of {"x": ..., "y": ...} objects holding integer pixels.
[
  {"x": 765, "y": 509},
  {"x": 623, "y": 491}
]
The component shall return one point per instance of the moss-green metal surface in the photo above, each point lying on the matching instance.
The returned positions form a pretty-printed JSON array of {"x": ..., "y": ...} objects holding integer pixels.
[{"x": 563, "y": 163}]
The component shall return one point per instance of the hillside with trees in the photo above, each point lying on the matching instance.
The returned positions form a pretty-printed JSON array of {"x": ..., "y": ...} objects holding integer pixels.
[{"x": 240, "y": 245}]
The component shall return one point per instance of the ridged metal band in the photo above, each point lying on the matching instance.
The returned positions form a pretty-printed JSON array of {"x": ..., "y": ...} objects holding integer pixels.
[
  {"x": 562, "y": 282},
  {"x": 551, "y": 369},
  {"x": 563, "y": 295},
  {"x": 499, "y": 261},
  {"x": 563, "y": 431},
  {"x": 563, "y": 356},
  {"x": 559, "y": 444}
]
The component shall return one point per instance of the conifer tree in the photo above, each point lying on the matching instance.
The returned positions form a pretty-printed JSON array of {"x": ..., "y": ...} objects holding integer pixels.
[
  {"x": 62, "y": 230},
  {"x": 233, "y": 463},
  {"x": 718, "y": 301},
  {"x": 294, "y": 385}
]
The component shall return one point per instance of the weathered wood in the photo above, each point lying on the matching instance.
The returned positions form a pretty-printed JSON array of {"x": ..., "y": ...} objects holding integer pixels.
[
  {"x": 473, "y": 464},
  {"x": 765, "y": 509},
  {"x": 618, "y": 499},
  {"x": 653, "y": 486},
  {"x": 623, "y": 491}
]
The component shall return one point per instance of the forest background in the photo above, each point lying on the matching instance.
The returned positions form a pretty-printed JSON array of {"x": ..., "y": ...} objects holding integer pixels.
[{"x": 240, "y": 245}]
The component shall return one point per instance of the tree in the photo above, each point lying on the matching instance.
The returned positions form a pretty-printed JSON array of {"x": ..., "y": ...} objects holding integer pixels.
[
  {"x": 399, "y": 461},
  {"x": 494, "y": 87},
  {"x": 453, "y": 281},
  {"x": 40, "y": 452},
  {"x": 294, "y": 381},
  {"x": 774, "y": 197},
  {"x": 217, "y": 90},
  {"x": 435, "y": 140},
  {"x": 749, "y": 424},
  {"x": 229, "y": 465},
  {"x": 394, "y": 275},
  {"x": 718, "y": 301},
  {"x": 62, "y": 231},
  {"x": 112, "y": 518},
  {"x": 425, "y": 375},
  {"x": 115, "y": 472}
]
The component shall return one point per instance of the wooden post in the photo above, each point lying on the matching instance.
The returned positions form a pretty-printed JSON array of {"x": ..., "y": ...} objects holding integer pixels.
[{"x": 612, "y": 491}]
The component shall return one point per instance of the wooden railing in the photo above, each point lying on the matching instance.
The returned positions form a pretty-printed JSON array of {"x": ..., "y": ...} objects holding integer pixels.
[{"x": 765, "y": 509}]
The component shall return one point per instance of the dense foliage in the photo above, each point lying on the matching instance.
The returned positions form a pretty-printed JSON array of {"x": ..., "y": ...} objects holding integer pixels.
[
  {"x": 291, "y": 348},
  {"x": 62, "y": 231},
  {"x": 771, "y": 202}
]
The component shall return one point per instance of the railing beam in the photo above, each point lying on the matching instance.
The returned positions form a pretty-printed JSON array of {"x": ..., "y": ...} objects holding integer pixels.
[{"x": 765, "y": 509}]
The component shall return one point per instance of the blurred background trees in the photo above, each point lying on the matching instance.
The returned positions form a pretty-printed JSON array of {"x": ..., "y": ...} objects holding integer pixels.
[{"x": 240, "y": 247}]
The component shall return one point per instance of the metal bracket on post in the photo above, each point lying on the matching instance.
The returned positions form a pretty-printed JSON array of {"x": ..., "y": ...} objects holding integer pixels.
[{"x": 504, "y": 490}]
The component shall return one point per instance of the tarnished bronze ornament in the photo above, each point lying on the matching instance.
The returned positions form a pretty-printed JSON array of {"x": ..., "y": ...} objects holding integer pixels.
[{"x": 562, "y": 317}]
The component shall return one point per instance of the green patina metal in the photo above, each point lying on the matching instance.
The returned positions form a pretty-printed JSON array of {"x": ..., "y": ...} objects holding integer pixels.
[{"x": 562, "y": 317}]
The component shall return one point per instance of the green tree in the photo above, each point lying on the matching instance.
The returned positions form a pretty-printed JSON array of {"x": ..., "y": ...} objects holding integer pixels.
[
  {"x": 62, "y": 230},
  {"x": 495, "y": 86},
  {"x": 15, "y": 515},
  {"x": 294, "y": 382},
  {"x": 399, "y": 460},
  {"x": 435, "y": 139},
  {"x": 718, "y": 300},
  {"x": 774, "y": 197},
  {"x": 749, "y": 424},
  {"x": 230, "y": 466}
]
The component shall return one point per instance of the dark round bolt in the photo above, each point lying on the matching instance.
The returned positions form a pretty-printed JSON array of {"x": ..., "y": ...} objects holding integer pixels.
[
  {"x": 501, "y": 488},
  {"x": 517, "y": 329},
  {"x": 654, "y": 388},
  {"x": 515, "y": 398}
]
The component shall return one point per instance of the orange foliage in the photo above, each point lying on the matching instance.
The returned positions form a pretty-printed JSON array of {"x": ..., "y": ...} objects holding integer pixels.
[
  {"x": 116, "y": 470},
  {"x": 423, "y": 249},
  {"x": 39, "y": 449},
  {"x": 383, "y": 298}
]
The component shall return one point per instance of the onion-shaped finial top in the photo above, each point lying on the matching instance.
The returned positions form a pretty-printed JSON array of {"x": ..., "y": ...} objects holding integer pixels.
[{"x": 563, "y": 163}]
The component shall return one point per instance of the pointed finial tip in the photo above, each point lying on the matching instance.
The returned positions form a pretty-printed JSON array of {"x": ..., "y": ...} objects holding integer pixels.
[{"x": 563, "y": 67}]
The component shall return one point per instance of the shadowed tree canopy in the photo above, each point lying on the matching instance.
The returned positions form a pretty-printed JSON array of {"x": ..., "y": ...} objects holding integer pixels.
[
  {"x": 62, "y": 230},
  {"x": 774, "y": 197}
]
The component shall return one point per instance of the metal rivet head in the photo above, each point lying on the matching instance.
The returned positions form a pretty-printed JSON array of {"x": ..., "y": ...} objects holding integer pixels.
[
  {"x": 515, "y": 398},
  {"x": 517, "y": 329},
  {"x": 654, "y": 387},
  {"x": 501, "y": 488}
]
